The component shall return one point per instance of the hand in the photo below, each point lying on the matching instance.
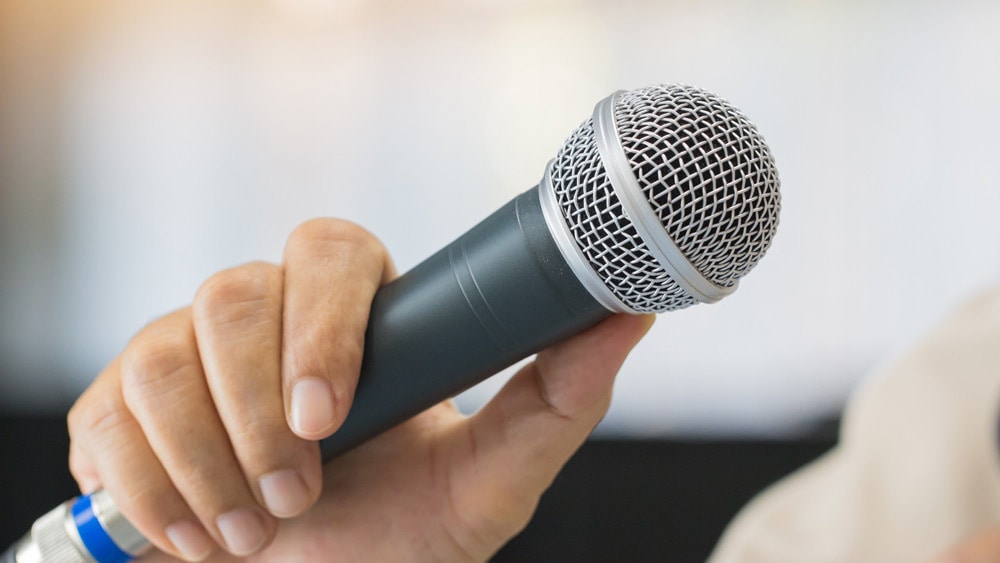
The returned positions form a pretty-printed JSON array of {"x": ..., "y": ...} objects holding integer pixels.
[
  {"x": 982, "y": 547},
  {"x": 203, "y": 431}
]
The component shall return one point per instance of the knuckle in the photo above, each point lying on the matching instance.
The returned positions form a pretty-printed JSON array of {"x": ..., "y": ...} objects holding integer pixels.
[
  {"x": 74, "y": 418},
  {"x": 150, "y": 362},
  {"x": 89, "y": 419},
  {"x": 238, "y": 293},
  {"x": 332, "y": 352},
  {"x": 321, "y": 234},
  {"x": 260, "y": 434}
]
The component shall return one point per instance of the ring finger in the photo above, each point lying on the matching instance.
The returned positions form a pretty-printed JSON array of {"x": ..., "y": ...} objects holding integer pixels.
[{"x": 164, "y": 386}]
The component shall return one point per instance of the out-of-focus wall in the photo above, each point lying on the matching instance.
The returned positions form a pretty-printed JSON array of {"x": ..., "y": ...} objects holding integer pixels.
[{"x": 144, "y": 146}]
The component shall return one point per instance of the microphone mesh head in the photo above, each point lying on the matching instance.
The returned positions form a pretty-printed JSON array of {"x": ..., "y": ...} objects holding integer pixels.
[{"x": 708, "y": 176}]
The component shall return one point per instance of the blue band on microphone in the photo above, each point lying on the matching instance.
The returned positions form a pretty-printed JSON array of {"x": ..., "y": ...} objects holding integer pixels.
[{"x": 95, "y": 538}]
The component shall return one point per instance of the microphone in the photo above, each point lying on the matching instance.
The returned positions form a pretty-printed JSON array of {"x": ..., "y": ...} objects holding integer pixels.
[{"x": 664, "y": 198}]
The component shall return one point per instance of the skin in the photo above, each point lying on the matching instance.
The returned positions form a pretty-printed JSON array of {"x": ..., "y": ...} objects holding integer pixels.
[
  {"x": 981, "y": 547},
  {"x": 200, "y": 435}
]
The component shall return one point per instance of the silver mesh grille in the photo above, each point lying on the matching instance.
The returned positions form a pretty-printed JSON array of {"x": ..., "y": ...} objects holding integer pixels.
[
  {"x": 603, "y": 231},
  {"x": 708, "y": 176}
]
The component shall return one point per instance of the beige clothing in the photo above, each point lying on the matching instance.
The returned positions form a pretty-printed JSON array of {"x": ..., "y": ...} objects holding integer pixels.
[{"x": 917, "y": 467}]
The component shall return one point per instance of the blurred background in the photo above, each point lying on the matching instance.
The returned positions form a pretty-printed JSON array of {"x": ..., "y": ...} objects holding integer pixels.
[{"x": 146, "y": 145}]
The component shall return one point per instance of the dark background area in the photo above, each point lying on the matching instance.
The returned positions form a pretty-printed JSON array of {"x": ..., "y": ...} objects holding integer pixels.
[{"x": 616, "y": 500}]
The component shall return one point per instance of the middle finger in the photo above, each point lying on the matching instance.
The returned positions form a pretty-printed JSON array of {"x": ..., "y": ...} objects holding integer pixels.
[{"x": 237, "y": 319}]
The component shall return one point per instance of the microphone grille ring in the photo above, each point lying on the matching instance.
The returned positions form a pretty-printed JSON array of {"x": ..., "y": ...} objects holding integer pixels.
[{"x": 706, "y": 173}]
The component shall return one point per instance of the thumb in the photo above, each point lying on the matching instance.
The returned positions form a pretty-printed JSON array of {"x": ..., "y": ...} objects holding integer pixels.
[{"x": 521, "y": 439}]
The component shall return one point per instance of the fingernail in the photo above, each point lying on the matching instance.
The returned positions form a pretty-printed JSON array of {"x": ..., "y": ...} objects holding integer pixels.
[
  {"x": 190, "y": 540},
  {"x": 312, "y": 406},
  {"x": 284, "y": 492},
  {"x": 242, "y": 530}
]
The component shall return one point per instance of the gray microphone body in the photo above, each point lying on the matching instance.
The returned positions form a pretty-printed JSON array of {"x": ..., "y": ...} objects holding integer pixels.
[
  {"x": 499, "y": 293},
  {"x": 664, "y": 198}
]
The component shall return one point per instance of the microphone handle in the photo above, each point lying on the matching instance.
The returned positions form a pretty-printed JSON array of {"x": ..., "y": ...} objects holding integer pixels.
[
  {"x": 500, "y": 292},
  {"x": 497, "y": 294}
]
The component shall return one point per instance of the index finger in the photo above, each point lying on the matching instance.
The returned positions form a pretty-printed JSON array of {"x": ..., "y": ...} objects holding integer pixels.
[{"x": 332, "y": 270}]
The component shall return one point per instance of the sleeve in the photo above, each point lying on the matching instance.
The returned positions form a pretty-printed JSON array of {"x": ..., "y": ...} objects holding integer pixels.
[{"x": 917, "y": 467}]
